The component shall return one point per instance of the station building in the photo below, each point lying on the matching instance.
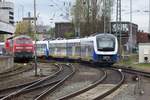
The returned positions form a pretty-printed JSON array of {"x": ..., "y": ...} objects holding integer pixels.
[
  {"x": 6, "y": 19},
  {"x": 7, "y": 12},
  {"x": 128, "y": 41},
  {"x": 6, "y": 27}
]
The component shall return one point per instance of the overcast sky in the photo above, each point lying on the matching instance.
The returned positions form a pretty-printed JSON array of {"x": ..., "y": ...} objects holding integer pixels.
[
  {"x": 57, "y": 12},
  {"x": 48, "y": 11}
]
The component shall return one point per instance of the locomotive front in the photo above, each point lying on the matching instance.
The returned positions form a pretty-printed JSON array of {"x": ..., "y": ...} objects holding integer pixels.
[
  {"x": 106, "y": 48},
  {"x": 23, "y": 47}
]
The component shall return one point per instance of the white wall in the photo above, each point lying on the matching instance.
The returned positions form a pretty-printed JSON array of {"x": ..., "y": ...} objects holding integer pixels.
[
  {"x": 5, "y": 8},
  {"x": 144, "y": 51}
]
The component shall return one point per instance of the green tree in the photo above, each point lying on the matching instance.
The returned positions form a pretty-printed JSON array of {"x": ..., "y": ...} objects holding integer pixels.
[
  {"x": 24, "y": 27},
  {"x": 69, "y": 35},
  {"x": 51, "y": 31}
]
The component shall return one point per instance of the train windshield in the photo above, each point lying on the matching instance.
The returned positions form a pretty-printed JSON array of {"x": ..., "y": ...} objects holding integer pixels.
[
  {"x": 41, "y": 45},
  {"x": 105, "y": 44},
  {"x": 23, "y": 41}
]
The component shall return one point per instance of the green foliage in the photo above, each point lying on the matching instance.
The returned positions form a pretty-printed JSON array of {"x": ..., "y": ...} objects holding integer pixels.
[
  {"x": 144, "y": 65},
  {"x": 1, "y": 37},
  {"x": 68, "y": 35},
  {"x": 51, "y": 31},
  {"x": 24, "y": 27}
]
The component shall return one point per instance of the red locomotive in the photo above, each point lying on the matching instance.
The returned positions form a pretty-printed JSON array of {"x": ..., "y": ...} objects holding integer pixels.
[{"x": 21, "y": 47}]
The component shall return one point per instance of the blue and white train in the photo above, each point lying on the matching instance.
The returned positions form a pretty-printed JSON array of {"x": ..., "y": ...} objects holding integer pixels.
[
  {"x": 102, "y": 48},
  {"x": 42, "y": 49}
]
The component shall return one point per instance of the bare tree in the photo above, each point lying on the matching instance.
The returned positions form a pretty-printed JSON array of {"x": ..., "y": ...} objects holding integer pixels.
[{"x": 90, "y": 14}]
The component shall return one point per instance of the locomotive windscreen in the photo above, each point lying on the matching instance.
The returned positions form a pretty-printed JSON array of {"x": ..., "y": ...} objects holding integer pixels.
[
  {"x": 105, "y": 43},
  {"x": 23, "y": 41}
]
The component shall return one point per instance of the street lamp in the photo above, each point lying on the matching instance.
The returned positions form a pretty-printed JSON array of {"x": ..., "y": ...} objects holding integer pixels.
[{"x": 35, "y": 57}]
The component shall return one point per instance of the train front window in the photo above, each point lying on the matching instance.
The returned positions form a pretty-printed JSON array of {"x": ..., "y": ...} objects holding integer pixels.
[
  {"x": 23, "y": 41},
  {"x": 105, "y": 44},
  {"x": 41, "y": 47}
]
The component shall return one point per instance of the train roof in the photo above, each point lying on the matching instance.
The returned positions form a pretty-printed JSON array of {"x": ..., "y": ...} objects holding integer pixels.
[
  {"x": 90, "y": 38},
  {"x": 57, "y": 41},
  {"x": 73, "y": 40},
  {"x": 22, "y": 36}
]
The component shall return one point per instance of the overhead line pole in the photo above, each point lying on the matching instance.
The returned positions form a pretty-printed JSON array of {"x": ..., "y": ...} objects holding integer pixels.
[
  {"x": 119, "y": 25},
  {"x": 104, "y": 1},
  {"x": 149, "y": 18},
  {"x": 131, "y": 34},
  {"x": 35, "y": 57},
  {"x": 88, "y": 15}
]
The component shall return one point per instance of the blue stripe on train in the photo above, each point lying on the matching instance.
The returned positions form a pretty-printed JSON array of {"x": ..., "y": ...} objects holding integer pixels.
[{"x": 99, "y": 58}]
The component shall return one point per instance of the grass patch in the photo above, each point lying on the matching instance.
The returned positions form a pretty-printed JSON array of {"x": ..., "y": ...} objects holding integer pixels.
[
  {"x": 129, "y": 60},
  {"x": 143, "y": 65},
  {"x": 132, "y": 60}
]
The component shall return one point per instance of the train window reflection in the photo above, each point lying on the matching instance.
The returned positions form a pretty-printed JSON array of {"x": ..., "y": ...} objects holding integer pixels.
[
  {"x": 41, "y": 45},
  {"x": 105, "y": 44},
  {"x": 23, "y": 41}
]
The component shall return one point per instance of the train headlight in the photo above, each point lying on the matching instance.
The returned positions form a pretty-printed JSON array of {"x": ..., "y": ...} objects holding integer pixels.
[
  {"x": 106, "y": 57},
  {"x": 19, "y": 47},
  {"x": 28, "y": 47}
]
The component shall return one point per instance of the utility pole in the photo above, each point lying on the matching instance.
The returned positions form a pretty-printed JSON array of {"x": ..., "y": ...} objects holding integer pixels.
[
  {"x": 118, "y": 25},
  {"x": 131, "y": 34},
  {"x": 88, "y": 17},
  {"x": 110, "y": 16},
  {"x": 149, "y": 18},
  {"x": 35, "y": 57},
  {"x": 104, "y": 1},
  {"x": 77, "y": 20}
]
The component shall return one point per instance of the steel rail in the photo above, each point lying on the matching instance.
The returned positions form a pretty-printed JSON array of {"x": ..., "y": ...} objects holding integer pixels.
[
  {"x": 42, "y": 86},
  {"x": 15, "y": 73},
  {"x": 113, "y": 89},
  {"x": 10, "y": 70},
  {"x": 86, "y": 88},
  {"x": 51, "y": 89},
  {"x": 19, "y": 86},
  {"x": 32, "y": 85},
  {"x": 133, "y": 71},
  {"x": 37, "y": 87}
]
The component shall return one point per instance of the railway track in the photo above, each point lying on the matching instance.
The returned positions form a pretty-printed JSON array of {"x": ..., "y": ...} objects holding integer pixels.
[
  {"x": 41, "y": 88},
  {"x": 84, "y": 76},
  {"x": 15, "y": 71},
  {"x": 15, "y": 90},
  {"x": 40, "y": 85},
  {"x": 88, "y": 93},
  {"x": 5, "y": 91},
  {"x": 133, "y": 71},
  {"x": 51, "y": 89}
]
